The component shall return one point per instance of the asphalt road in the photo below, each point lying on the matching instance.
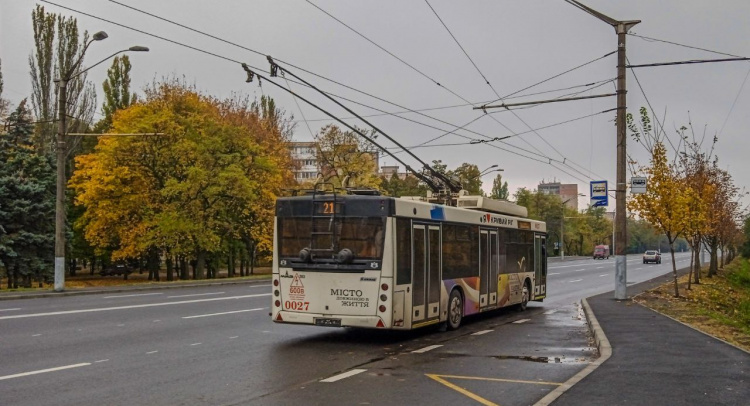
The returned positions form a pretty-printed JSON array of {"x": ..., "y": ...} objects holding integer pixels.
[{"x": 216, "y": 345}]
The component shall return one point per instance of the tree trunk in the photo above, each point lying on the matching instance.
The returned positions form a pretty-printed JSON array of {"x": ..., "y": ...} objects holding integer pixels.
[
  {"x": 697, "y": 262},
  {"x": 200, "y": 265},
  {"x": 184, "y": 268},
  {"x": 713, "y": 268},
  {"x": 92, "y": 266},
  {"x": 170, "y": 268},
  {"x": 690, "y": 275}
]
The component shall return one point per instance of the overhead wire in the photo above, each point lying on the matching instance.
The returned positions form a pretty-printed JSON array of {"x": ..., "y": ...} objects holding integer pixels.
[
  {"x": 734, "y": 102},
  {"x": 653, "y": 113},
  {"x": 632, "y": 34},
  {"x": 498, "y": 95},
  {"x": 548, "y": 160}
]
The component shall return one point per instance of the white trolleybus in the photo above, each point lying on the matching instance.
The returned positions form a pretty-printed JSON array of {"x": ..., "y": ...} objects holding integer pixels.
[{"x": 400, "y": 263}]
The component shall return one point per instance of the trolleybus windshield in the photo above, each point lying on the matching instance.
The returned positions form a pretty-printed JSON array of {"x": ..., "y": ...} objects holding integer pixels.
[{"x": 326, "y": 237}]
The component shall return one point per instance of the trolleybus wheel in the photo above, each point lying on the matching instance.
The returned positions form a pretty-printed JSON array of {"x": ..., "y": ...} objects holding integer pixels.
[
  {"x": 524, "y": 298},
  {"x": 455, "y": 310}
]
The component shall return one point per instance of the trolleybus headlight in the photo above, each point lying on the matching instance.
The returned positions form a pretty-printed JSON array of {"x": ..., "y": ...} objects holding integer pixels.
[
  {"x": 381, "y": 308},
  {"x": 304, "y": 255},
  {"x": 276, "y": 293},
  {"x": 383, "y": 297},
  {"x": 346, "y": 256}
]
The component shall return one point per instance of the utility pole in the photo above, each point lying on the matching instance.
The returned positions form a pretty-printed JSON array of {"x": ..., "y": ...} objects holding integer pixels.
[
  {"x": 621, "y": 28},
  {"x": 65, "y": 77}
]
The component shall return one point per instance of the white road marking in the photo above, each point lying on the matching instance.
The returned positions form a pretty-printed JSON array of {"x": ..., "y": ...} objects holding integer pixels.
[
  {"x": 553, "y": 273},
  {"x": 579, "y": 270},
  {"x": 10, "y": 310},
  {"x": 139, "y": 306},
  {"x": 101, "y": 360},
  {"x": 196, "y": 344},
  {"x": 344, "y": 375},
  {"x": 577, "y": 280},
  {"x": 120, "y": 325},
  {"x": 41, "y": 371},
  {"x": 134, "y": 295},
  {"x": 152, "y": 352},
  {"x": 35, "y": 335},
  {"x": 479, "y": 333},
  {"x": 260, "y": 286},
  {"x": 232, "y": 338},
  {"x": 550, "y": 312},
  {"x": 199, "y": 294},
  {"x": 425, "y": 349},
  {"x": 637, "y": 269},
  {"x": 521, "y": 321},
  {"x": 219, "y": 314},
  {"x": 599, "y": 267},
  {"x": 603, "y": 275},
  {"x": 157, "y": 321}
]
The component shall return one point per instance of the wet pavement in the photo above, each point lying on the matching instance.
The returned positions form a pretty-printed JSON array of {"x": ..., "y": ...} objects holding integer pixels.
[{"x": 510, "y": 359}]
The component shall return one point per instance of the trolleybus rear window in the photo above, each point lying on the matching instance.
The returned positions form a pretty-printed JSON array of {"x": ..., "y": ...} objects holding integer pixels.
[{"x": 364, "y": 236}]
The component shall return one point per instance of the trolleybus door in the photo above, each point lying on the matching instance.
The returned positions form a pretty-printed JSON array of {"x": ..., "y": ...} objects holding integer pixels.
[
  {"x": 425, "y": 272},
  {"x": 540, "y": 265},
  {"x": 488, "y": 263}
]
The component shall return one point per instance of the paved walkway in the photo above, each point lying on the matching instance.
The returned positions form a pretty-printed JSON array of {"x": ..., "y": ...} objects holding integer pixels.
[{"x": 658, "y": 361}]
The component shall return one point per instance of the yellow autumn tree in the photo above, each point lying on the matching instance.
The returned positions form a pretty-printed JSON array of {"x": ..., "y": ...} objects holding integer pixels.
[
  {"x": 211, "y": 176},
  {"x": 667, "y": 201},
  {"x": 344, "y": 155}
]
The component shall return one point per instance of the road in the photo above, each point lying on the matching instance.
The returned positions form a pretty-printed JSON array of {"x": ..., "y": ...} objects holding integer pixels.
[{"x": 216, "y": 345}]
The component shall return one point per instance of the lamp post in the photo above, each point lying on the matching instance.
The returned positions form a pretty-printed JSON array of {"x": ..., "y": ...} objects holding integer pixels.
[
  {"x": 562, "y": 227},
  {"x": 62, "y": 98}
]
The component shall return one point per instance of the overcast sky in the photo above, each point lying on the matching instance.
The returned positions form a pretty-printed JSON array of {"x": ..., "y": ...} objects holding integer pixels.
[{"x": 513, "y": 43}]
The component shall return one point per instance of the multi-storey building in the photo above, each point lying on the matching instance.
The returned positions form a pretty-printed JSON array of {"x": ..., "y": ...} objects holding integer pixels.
[{"x": 567, "y": 192}]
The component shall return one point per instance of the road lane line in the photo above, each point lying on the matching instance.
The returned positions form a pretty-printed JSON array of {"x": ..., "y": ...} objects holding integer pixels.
[
  {"x": 103, "y": 309},
  {"x": 577, "y": 280},
  {"x": 195, "y": 344},
  {"x": 35, "y": 335},
  {"x": 101, "y": 360},
  {"x": 233, "y": 337},
  {"x": 461, "y": 390},
  {"x": 222, "y": 313},
  {"x": 134, "y": 295},
  {"x": 550, "y": 312},
  {"x": 41, "y": 371},
  {"x": 199, "y": 294},
  {"x": 599, "y": 267},
  {"x": 260, "y": 286},
  {"x": 479, "y": 333},
  {"x": 152, "y": 352},
  {"x": 521, "y": 321},
  {"x": 425, "y": 349},
  {"x": 10, "y": 310},
  {"x": 344, "y": 375},
  {"x": 553, "y": 273},
  {"x": 603, "y": 275},
  {"x": 579, "y": 270}
]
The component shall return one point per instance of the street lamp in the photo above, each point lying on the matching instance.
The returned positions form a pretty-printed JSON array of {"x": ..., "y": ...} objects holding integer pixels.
[
  {"x": 562, "y": 227},
  {"x": 62, "y": 98}
]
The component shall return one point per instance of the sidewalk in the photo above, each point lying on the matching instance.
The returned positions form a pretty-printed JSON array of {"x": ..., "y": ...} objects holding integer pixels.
[{"x": 658, "y": 361}]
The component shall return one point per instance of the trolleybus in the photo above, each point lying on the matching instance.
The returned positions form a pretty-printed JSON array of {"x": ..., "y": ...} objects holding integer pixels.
[{"x": 371, "y": 261}]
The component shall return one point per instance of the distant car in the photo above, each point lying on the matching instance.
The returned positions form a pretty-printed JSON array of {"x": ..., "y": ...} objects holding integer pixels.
[
  {"x": 116, "y": 269},
  {"x": 652, "y": 256},
  {"x": 601, "y": 252}
]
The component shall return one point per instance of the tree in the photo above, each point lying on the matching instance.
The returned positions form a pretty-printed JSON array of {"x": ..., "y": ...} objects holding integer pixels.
[
  {"x": 26, "y": 212},
  {"x": 116, "y": 91},
  {"x": 397, "y": 187},
  {"x": 208, "y": 180},
  {"x": 666, "y": 202},
  {"x": 468, "y": 175},
  {"x": 46, "y": 62},
  {"x": 499, "y": 188},
  {"x": 344, "y": 155}
]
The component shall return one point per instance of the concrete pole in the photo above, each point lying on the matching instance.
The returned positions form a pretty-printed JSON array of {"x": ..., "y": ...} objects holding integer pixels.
[
  {"x": 60, "y": 195},
  {"x": 562, "y": 231},
  {"x": 621, "y": 278}
]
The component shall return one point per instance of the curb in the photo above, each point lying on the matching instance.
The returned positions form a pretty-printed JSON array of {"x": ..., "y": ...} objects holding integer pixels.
[
  {"x": 605, "y": 351},
  {"x": 132, "y": 288}
]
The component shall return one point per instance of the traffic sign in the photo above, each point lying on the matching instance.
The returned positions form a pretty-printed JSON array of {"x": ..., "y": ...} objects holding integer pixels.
[{"x": 599, "y": 195}]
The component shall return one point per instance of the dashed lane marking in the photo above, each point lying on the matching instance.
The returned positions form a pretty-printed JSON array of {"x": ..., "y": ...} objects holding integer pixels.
[
  {"x": 10, "y": 310},
  {"x": 195, "y": 344},
  {"x": 35, "y": 335},
  {"x": 479, "y": 333},
  {"x": 575, "y": 280},
  {"x": 41, "y": 371},
  {"x": 553, "y": 273},
  {"x": 343, "y": 376},
  {"x": 151, "y": 352},
  {"x": 223, "y": 313},
  {"x": 474, "y": 396},
  {"x": 101, "y": 360},
  {"x": 521, "y": 321},
  {"x": 133, "y": 295},
  {"x": 603, "y": 275},
  {"x": 197, "y": 294},
  {"x": 21, "y": 316},
  {"x": 425, "y": 349}
]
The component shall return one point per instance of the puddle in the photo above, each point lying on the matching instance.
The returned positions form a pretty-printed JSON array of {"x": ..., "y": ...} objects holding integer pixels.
[{"x": 543, "y": 360}]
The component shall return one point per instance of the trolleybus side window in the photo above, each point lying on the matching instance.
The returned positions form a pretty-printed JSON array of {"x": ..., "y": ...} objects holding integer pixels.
[
  {"x": 457, "y": 252},
  {"x": 403, "y": 253}
]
